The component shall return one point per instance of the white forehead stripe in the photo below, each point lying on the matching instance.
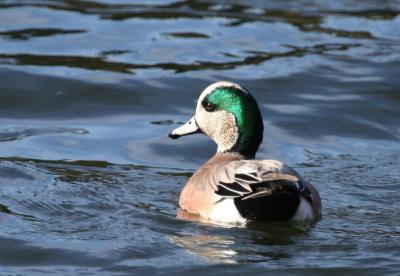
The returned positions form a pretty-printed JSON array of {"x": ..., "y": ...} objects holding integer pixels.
[{"x": 220, "y": 84}]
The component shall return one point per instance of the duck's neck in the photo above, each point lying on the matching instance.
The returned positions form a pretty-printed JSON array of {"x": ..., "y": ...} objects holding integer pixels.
[
  {"x": 246, "y": 144},
  {"x": 226, "y": 156},
  {"x": 250, "y": 131}
]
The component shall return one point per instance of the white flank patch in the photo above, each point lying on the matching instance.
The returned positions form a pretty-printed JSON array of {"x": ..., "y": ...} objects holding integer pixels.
[
  {"x": 304, "y": 211},
  {"x": 225, "y": 211}
]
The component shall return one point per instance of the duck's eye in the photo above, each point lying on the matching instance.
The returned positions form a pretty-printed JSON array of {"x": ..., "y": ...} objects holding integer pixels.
[{"x": 209, "y": 106}]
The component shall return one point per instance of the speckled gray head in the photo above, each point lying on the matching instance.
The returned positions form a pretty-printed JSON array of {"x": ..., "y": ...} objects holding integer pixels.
[{"x": 228, "y": 114}]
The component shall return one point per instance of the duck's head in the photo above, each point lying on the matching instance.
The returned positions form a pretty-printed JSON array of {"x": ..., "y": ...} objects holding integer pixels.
[{"x": 228, "y": 114}]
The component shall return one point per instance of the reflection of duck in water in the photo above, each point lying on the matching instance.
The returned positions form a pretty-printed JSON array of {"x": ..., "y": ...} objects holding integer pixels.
[
  {"x": 211, "y": 248},
  {"x": 233, "y": 187},
  {"x": 226, "y": 243}
]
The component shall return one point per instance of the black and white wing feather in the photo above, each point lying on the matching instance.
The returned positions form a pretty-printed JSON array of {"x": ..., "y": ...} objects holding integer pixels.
[
  {"x": 263, "y": 189},
  {"x": 249, "y": 175}
]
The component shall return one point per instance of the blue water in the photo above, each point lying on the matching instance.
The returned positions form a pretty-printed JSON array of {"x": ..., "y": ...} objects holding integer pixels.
[{"x": 89, "y": 180}]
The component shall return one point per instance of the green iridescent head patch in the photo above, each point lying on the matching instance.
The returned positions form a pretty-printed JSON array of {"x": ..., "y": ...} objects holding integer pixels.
[{"x": 247, "y": 113}]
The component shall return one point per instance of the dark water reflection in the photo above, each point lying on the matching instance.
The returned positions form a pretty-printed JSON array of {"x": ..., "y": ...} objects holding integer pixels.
[{"x": 89, "y": 181}]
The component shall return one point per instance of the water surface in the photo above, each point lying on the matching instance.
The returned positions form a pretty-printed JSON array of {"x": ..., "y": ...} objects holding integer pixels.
[{"x": 89, "y": 181}]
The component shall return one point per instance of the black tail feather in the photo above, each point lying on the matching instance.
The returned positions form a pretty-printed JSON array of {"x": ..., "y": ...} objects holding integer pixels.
[{"x": 275, "y": 200}]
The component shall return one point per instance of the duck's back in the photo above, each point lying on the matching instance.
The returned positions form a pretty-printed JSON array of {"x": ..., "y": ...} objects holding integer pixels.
[{"x": 232, "y": 190}]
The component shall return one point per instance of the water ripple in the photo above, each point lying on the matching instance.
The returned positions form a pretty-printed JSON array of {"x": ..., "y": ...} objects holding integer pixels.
[{"x": 7, "y": 135}]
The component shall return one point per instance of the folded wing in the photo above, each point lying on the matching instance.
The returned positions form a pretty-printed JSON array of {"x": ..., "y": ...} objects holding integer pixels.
[{"x": 265, "y": 189}]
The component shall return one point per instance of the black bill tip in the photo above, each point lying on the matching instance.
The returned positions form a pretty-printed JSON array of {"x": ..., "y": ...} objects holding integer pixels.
[{"x": 173, "y": 136}]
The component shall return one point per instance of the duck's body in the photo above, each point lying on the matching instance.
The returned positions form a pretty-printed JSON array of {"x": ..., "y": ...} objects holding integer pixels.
[
  {"x": 230, "y": 189},
  {"x": 232, "y": 186}
]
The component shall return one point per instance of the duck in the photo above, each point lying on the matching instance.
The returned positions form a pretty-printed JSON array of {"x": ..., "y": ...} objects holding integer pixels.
[{"x": 233, "y": 186}]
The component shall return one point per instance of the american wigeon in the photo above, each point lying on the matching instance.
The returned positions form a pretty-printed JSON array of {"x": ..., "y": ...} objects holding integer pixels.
[{"x": 232, "y": 186}]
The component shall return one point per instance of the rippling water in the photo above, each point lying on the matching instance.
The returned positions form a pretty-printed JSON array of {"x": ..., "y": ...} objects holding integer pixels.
[{"x": 89, "y": 181}]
